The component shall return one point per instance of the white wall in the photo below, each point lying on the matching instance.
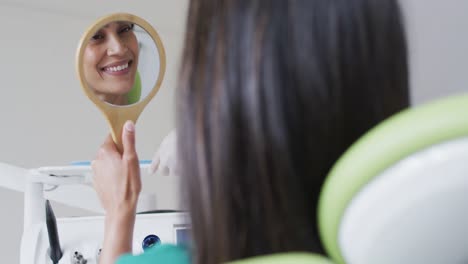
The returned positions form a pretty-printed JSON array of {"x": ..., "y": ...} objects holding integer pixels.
[
  {"x": 438, "y": 47},
  {"x": 47, "y": 120}
]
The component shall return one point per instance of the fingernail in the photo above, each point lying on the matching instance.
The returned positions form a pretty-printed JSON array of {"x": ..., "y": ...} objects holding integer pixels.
[{"x": 129, "y": 126}]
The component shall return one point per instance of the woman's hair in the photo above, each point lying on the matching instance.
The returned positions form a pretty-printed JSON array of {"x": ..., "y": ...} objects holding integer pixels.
[{"x": 272, "y": 92}]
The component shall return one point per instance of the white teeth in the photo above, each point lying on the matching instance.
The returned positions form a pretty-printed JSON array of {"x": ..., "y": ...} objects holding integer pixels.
[{"x": 117, "y": 68}]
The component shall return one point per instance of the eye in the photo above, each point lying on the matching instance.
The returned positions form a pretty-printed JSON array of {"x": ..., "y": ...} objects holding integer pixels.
[
  {"x": 126, "y": 28},
  {"x": 97, "y": 37}
]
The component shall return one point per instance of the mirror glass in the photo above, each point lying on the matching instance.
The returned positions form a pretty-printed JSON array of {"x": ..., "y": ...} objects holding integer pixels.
[{"x": 121, "y": 63}]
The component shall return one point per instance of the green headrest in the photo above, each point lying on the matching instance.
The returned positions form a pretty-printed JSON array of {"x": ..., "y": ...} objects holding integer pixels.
[
  {"x": 135, "y": 94},
  {"x": 286, "y": 258},
  {"x": 391, "y": 141}
]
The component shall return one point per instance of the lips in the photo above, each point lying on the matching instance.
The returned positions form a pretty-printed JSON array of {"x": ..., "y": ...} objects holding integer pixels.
[{"x": 117, "y": 67}]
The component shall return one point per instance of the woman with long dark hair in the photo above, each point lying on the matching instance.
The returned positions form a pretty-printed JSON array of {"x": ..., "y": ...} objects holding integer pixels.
[{"x": 271, "y": 93}]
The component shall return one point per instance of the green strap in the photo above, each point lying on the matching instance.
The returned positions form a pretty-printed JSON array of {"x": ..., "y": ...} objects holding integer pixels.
[
  {"x": 179, "y": 255},
  {"x": 158, "y": 254}
]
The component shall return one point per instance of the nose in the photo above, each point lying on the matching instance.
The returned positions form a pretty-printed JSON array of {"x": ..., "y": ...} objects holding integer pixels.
[{"x": 116, "y": 46}]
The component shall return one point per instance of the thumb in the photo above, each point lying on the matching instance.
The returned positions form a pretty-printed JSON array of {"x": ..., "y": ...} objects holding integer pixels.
[{"x": 128, "y": 138}]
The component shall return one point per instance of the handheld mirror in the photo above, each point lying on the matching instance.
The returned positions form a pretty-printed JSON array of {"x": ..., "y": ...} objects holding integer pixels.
[{"x": 120, "y": 63}]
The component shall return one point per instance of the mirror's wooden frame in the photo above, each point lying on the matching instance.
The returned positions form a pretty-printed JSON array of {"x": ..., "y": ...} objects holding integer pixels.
[{"x": 118, "y": 115}]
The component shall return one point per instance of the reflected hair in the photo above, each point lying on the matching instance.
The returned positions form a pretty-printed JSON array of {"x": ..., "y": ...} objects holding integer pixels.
[{"x": 271, "y": 93}]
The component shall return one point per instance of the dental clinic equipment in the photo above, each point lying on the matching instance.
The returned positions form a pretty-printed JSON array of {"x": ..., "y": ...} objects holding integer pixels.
[{"x": 77, "y": 240}]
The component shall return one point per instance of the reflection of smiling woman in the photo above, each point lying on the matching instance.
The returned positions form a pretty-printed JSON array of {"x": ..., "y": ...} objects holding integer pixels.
[{"x": 110, "y": 62}]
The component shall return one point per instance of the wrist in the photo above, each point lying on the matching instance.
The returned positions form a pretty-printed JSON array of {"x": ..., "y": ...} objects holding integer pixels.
[
  {"x": 118, "y": 235},
  {"x": 120, "y": 216}
]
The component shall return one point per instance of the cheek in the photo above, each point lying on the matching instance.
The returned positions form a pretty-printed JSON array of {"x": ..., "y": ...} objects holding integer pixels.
[
  {"x": 91, "y": 59},
  {"x": 86, "y": 65},
  {"x": 133, "y": 46}
]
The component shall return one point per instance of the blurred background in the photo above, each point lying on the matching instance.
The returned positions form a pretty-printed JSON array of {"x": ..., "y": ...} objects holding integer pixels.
[{"x": 48, "y": 121}]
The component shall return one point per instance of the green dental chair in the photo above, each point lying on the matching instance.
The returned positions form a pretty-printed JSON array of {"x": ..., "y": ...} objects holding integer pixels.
[
  {"x": 399, "y": 195},
  {"x": 135, "y": 94}
]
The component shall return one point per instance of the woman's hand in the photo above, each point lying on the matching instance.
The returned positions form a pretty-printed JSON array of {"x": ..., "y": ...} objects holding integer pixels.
[
  {"x": 118, "y": 185},
  {"x": 165, "y": 158},
  {"x": 117, "y": 176}
]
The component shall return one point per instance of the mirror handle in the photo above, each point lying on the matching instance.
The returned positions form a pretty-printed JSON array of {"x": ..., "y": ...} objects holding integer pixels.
[{"x": 117, "y": 119}]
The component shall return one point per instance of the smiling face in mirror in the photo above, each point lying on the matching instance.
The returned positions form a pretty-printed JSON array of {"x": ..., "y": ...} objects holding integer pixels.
[
  {"x": 120, "y": 62},
  {"x": 110, "y": 62}
]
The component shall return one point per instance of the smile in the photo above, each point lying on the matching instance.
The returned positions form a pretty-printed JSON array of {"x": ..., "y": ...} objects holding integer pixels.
[{"x": 117, "y": 68}]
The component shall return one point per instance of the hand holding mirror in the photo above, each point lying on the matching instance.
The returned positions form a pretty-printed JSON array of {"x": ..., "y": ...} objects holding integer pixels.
[{"x": 120, "y": 63}]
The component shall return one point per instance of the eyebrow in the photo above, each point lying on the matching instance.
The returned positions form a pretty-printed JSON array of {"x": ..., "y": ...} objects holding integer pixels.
[{"x": 119, "y": 23}]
